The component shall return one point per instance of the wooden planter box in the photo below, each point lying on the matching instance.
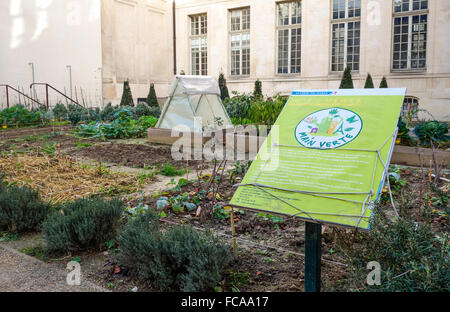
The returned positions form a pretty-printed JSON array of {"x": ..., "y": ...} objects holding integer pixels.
[
  {"x": 403, "y": 155},
  {"x": 411, "y": 156}
]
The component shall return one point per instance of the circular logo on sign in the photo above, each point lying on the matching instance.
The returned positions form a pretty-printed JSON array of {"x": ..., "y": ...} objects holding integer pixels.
[{"x": 328, "y": 128}]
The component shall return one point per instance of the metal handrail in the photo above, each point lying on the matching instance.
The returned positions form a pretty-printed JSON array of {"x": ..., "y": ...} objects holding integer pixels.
[
  {"x": 46, "y": 92},
  {"x": 14, "y": 89}
]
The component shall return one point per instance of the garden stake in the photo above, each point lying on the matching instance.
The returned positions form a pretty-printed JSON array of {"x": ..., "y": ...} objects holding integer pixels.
[{"x": 233, "y": 232}]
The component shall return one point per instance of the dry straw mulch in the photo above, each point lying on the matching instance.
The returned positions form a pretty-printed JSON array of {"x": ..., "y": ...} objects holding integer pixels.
[{"x": 60, "y": 179}]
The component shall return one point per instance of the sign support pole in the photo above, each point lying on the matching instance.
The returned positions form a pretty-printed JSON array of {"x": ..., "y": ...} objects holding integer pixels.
[{"x": 313, "y": 241}]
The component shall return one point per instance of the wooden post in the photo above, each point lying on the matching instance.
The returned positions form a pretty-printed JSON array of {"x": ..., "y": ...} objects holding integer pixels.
[
  {"x": 233, "y": 232},
  {"x": 7, "y": 97},
  {"x": 46, "y": 94},
  {"x": 313, "y": 241}
]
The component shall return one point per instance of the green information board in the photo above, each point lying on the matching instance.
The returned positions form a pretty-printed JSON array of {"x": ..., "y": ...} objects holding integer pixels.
[{"x": 325, "y": 159}]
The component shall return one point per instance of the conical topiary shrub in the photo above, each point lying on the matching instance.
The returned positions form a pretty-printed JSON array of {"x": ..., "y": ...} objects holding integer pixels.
[
  {"x": 127, "y": 97},
  {"x": 383, "y": 83},
  {"x": 223, "y": 87},
  {"x": 369, "y": 82},
  {"x": 152, "y": 99},
  {"x": 257, "y": 93},
  {"x": 347, "y": 81}
]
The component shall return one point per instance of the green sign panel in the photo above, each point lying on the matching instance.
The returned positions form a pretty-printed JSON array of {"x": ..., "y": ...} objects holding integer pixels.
[{"x": 326, "y": 156}]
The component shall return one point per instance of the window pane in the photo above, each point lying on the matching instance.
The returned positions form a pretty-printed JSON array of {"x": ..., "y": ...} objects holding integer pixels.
[
  {"x": 283, "y": 14},
  {"x": 338, "y": 9},
  {"x": 296, "y": 13},
  {"x": 235, "y": 20},
  {"x": 338, "y": 38},
  {"x": 353, "y": 35},
  {"x": 296, "y": 39},
  {"x": 401, "y": 5},
  {"x": 354, "y": 8},
  {"x": 420, "y": 4},
  {"x": 418, "y": 41},
  {"x": 283, "y": 53},
  {"x": 195, "y": 57},
  {"x": 245, "y": 19}
]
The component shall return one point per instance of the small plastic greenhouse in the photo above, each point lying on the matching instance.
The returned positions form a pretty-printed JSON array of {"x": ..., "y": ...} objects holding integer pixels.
[{"x": 190, "y": 97}]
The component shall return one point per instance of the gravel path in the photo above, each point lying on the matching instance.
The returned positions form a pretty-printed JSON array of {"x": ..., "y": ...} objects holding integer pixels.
[{"x": 22, "y": 273}]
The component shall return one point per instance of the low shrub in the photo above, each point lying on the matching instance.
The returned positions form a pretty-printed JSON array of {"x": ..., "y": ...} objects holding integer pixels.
[
  {"x": 21, "y": 209},
  {"x": 108, "y": 112},
  {"x": 179, "y": 259},
  {"x": 411, "y": 257},
  {"x": 266, "y": 112},
  {"x": 238, "y": 107},
  {"x": 246, "y": 109},
  {"x": 76, "y": 113},
  {"x": 82, "y": 224},
  {"x": 60, "y": 111}
]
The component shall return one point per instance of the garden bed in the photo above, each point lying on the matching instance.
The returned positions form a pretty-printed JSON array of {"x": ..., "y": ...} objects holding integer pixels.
[
  {"x": 61, "y": 178},
  {"x": 132, "y": 155}
]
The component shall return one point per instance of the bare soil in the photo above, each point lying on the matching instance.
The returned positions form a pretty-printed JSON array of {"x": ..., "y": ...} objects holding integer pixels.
[
  {"x": 132, "y": 155},
  {"x": 13, "y": 133}
]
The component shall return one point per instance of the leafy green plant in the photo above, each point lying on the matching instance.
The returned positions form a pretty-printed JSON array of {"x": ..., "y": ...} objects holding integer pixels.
[
  {"x": 108, "y": 112},
  {"x": 60, "y": 111},
  {"x": 170, "y": 171},
  {"x": 75, "y": 114},
  {"x": 49, "y": 148},
  {"x": 7, "y": 237},
  {"x": 81, "y": 145},
  {"x": 432, "y": 133},
  {"x": 122, "y": 127},
  {"x": 82, "y": 224},
  {"x": 269, "y": 217},
  {"x": 403, "y": 131},
  {"x": 395, "y": 180},
  {"x": 238, "y": 107},
  {"x": 179, "y": 258},
  {"x": 266, "y": 112},
  {"x": 18, "y": 116},
  {"x": 178, "y": 203}
]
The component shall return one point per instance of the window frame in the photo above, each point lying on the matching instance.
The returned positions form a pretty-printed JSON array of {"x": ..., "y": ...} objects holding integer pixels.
[
  {"x": 410, "y": 14},
  {"x": 345, "y": 20},
  {"x": 199, "y": 37},
  {"x": 290, "y": 27},
  {"x": 239, "y": 32},
  {"x": 413, "y": 104}
]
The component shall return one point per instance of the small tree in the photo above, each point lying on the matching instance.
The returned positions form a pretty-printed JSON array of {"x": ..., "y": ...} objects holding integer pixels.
[
  {"x": 152, "y": 99},
  {"x": 369, "y": 82},
  {"x": 347, "y": 81},
  {"x": 383, "y": 83},
  {"x": 127, "y": 97},
  {"x": 257, "y": 93},
  {"x": 182, "y": 73},
  {"x": 223, "y": 87}
]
